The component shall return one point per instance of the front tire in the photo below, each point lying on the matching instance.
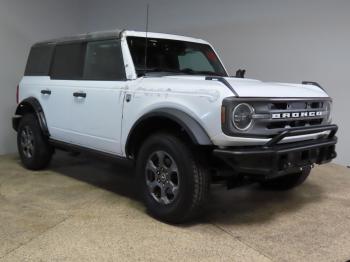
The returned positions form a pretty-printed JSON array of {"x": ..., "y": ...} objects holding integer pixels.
[
  {"x": 34, "y": 149},
  {"x": 287, "y": 182},
  {"x": 174, "y": 184}
]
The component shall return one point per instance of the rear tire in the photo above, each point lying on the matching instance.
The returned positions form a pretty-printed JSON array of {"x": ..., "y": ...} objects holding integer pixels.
[
  {"x": 174, "y": 185},
  {"x": 287, "y": 182},
  {"x": 33, "y": 147}
]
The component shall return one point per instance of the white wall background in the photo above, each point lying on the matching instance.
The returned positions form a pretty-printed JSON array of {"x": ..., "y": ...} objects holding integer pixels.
[
  {"x": 289, "y": 40},
  {"x": 21, "y": 24}
]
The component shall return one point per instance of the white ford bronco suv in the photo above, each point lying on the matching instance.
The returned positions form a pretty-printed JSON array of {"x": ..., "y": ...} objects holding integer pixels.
[{"x": 167, "y": 103}]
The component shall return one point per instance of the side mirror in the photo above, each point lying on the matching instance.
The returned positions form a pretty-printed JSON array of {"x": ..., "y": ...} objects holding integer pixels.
[{"x": 240, "y": 73}]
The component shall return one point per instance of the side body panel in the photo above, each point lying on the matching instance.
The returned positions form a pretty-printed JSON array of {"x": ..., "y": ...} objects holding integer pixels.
[
  {"x": 93, "y": 122},
  {"x": 96, "y": 119},
  {"x": 56, "y": 106}
]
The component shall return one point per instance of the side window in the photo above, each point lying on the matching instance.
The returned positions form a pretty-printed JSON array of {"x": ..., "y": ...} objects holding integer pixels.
[
  {"x": 68, "y": 61},
  {"x": 196, "y": 61},
  {"x": 39, "y": 61},
  {"x": 104, "y": 61}
]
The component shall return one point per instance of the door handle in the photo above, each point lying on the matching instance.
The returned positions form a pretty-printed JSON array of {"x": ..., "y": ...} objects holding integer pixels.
[
  {"x": 128, "y": 98},
  {"x": 46, "y": 92},
  {"x": 79, "y": 94}
]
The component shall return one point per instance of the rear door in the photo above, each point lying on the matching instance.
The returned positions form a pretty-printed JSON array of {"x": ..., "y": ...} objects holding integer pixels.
[
  {"x": 97, "y": 100},
  {"x": 65, "y": 74},
  {"x": 50, "y": 94}
]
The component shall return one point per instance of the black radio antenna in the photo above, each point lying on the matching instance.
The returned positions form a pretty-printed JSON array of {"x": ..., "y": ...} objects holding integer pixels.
[{"x": 146, "y": 44}]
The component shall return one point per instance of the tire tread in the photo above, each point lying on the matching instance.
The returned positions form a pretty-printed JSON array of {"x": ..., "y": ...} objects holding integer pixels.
[
  {"x": 199, "y": 175},
  {"x": 44, "y": 150}
]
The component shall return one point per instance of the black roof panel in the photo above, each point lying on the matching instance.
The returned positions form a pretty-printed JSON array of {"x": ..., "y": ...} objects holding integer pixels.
[{"x": 84, "y": 37}]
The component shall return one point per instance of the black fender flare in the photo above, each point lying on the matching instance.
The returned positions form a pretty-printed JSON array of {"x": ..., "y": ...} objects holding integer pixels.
[
  {"x": 191, "y": 126},
  {"x": 31, "y": 105}
]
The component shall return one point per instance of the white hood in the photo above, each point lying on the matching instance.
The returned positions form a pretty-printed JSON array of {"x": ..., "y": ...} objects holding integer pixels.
[{"x": 255, "y": 88}]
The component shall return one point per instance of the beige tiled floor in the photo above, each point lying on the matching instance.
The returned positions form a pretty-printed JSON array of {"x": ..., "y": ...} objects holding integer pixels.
[{"x": 86, "y": 210}]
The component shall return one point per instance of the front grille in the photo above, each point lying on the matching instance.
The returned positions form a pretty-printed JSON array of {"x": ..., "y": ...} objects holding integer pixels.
[
  {"x": 296, "y": 106},
  {"x": 275, "y": 115}
]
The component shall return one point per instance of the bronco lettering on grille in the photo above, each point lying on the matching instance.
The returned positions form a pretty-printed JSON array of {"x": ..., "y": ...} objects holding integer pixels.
[{"x": 296, "y": 114}]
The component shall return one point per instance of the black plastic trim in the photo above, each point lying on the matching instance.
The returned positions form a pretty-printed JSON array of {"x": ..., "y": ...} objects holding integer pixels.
[
  {"x": 101, "y": 35},
  {"x": 277, "y": 99},
  {"x": 224, "y": 81},
  {"x": 278, "y": 160},
  {"x": 195, "y": 131},
  {"x": 39, "y": 112},
  {"x": 302, "y": 131},
  {"x": 76, "y": 148},
  {"x": 15, "y": 122}
]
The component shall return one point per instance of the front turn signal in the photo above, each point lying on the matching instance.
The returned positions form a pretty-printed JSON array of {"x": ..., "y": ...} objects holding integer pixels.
[{"x": 223, "y": 115}]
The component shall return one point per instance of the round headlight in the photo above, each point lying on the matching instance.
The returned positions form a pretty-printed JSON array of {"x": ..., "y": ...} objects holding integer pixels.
[
  {"x": 242, "y": 116},
  {"x": 329, "y": 112}
]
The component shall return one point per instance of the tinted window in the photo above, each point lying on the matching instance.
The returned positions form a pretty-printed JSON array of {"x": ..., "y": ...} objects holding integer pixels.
[
  {"x": 39, "y": 61},
  {"x": 174, "y": 57},
  {"x": 104, "y": 61},
  {"x": 196, "y": 61},
  {"x": 68, "y": 61}
]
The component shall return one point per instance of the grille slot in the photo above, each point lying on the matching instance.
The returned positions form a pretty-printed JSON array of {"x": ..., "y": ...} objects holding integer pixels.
[
  {"x": 296, "y": 105},
  {"x": 279, "y": 106},
  {"x": 296, "y": 123},
  {"x": 316, "y": 105}
]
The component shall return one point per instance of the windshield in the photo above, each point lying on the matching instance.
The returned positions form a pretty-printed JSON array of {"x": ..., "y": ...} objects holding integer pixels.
[{"x": 174, "y": 57}]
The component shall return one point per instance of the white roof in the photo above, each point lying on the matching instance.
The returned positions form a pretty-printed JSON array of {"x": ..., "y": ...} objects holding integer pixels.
[{"x": 164, "y": 36}]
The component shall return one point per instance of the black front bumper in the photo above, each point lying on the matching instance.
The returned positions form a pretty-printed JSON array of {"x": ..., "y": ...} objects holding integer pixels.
[{"x": 274, "y": 159}]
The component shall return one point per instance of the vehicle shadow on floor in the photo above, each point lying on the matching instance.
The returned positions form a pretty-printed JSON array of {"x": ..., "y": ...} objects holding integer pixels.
[
  {"x": 245, "y": 205},
  {"x": 254, "y": 205},
  {"x": 117, "y": 177}
]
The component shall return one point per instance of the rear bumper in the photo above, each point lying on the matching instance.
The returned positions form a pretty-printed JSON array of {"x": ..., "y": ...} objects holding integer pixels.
[{"x": 274, "y": 159}]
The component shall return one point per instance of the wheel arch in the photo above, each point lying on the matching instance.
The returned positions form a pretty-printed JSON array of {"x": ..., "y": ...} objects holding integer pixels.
[
  {"x": 171, "y": 118},
  {"x": 33, "y": 106}
]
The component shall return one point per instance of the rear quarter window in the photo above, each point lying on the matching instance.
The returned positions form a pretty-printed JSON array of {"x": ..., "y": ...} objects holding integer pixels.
[{"x": 39, "y": 61}]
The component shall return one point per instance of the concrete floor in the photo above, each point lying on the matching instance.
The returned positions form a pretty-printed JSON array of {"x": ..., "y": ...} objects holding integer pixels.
[{"x": 86, "y": 210}]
